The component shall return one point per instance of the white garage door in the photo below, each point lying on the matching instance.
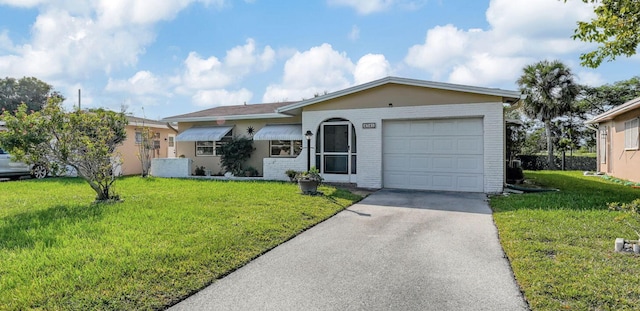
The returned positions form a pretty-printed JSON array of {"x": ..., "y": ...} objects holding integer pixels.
[{"x": 433, "y": 154}]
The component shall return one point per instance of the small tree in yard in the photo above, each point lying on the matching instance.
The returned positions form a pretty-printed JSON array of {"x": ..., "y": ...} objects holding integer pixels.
[
  {"x": 235, "y": 153},
  {"x": 145, "y": 148},
  {"x": 85, "y": 140}
]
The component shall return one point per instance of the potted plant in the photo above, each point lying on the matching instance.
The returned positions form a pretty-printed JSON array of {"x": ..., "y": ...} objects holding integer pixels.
[
  {"x": 309, "y": 181},
  {"x": 291, "y": 174}
]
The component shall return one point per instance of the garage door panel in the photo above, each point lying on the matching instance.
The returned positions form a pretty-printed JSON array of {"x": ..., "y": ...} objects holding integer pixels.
[
  {"x": 469, "y": 164},
  {"x": 419, "y": 146},
  {"x": 434, "y": 155},
  {"x": 443, "y": 127},
  {"x": 469, "y": 145},
  {"x": 419, "y": 180},
  {"x": 470, "y": 126},
  {"x": 419, "y": 164},
  {"x": 397, "y": 145},
  {"x": 418, "y": 127},
  {"x": 443, "y": 145},
  {"x": 397, "y": 129},
  {"x": 394, "y": 162}
]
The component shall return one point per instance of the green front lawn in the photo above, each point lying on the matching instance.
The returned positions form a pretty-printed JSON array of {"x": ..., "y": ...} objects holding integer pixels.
[
  {"x": 560, "y": 244},
  {"x": 169, "y": 238}
]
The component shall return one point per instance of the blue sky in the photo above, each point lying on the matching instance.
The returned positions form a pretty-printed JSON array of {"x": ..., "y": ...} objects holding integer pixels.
[{"x": 166, "y": 57}]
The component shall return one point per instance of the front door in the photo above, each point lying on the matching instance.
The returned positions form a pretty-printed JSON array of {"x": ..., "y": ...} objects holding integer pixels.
[
  {"x": 337, "y": 151},
  {"x": 171, "y": 146}
]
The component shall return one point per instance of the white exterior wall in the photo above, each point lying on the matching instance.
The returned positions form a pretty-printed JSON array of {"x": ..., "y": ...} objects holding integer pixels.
[
  {"x": 275, "y": 168},
  {"x": 369, "y": 169},
  {"x": 170, "y": 167}
]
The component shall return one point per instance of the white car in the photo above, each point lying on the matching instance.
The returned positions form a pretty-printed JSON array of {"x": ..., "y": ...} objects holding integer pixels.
[{"x": 15, "y": 170}]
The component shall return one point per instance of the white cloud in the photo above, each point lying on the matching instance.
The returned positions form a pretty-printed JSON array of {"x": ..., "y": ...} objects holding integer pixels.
[
  {"x": 211, "y": 73},
  {"x": 371, "y": 67},
  {"x": 212, "y": 98},
  {"x": 22, "y": 3},
  {"x": 354, "y": 34},
  {"x": 520, "y": 32},
  {"x": 443, "y": 46},
  {"x": 590, "y": 78},
  {"x": 117, "y": 13},
  {"x": 142, "y": 83},
  {"x": 315, "y": 71},
  {"x": 205, "y": 79},
  {"x": 74, "y": 38},
  {"x": 364, "y": 6}
]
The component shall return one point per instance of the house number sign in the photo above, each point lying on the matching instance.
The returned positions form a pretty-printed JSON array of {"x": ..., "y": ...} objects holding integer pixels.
[{"x": 370, "y": 125}]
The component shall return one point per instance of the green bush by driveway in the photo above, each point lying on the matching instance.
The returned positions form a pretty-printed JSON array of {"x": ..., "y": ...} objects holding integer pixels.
[
  {"x": 169, "y": 238},
  {"x": 561, "y": 244}
]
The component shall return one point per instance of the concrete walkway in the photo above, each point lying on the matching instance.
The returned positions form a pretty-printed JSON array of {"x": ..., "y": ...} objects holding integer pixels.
[{"x": 395, "y": 250}]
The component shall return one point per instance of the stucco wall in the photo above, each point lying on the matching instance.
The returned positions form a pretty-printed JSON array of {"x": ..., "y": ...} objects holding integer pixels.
[
  {"x": 128, "y": 151},
  {"x": 401, "y": 96},
  {"x": 621, "y": 163},
  {"x": 369, "y": 163},
  {"x": 171, "y": 167},
  {"x": 275, "y": 168},
  {"x": 239, "y": 129}
]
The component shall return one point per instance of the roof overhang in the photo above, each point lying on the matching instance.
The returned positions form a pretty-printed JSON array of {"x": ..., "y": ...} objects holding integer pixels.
[
  {"x": 231, "y": 117},
  {"x": 279, "y": 132},
  {"x": 209, "y": 133},
  {"x": 611, "y": 114},
  {"x": 507, "y": 96}
]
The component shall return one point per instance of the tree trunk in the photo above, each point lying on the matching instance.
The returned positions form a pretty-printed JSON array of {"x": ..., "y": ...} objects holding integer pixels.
[{"x": 550, "y": 159}]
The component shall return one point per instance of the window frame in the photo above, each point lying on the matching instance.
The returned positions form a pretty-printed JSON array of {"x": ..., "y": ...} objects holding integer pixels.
[
  {"x": 632, "y": 134},
  {"x": 138, "y": 137},
  {"x": 214, "y": 144},
  {"x": 289, "y": 144}
]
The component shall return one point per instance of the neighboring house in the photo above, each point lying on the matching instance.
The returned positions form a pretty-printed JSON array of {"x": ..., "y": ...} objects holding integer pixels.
[
  {"x": 391, "y": 133},
  {"x": 617, "y": 141},
  {"x": 163, "y": 143}
]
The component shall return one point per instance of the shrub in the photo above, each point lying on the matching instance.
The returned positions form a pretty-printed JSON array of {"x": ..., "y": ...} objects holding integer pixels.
[{"x": 235, "y": 153}]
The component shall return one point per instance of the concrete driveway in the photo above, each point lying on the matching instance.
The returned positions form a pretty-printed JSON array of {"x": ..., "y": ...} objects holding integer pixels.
[{"x": 395, "y": 250}]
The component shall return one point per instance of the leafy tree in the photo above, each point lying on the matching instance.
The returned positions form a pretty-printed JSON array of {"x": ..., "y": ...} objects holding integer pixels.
[
  {"x": 235, "y": 153},
  {"x": 85, "y": 140},
  {"x": 28, "y": 90},
  {"x": 596, "y": 100},
  {"x": 550, "y": 90},
  {"x": 616, "y": 28}
]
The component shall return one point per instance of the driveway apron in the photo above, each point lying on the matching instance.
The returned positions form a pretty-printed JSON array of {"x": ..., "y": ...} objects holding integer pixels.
[{"x": 395, "y": 250}]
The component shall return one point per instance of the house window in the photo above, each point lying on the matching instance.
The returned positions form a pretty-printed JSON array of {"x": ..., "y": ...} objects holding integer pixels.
[
  {"x": 212, "y": 148},
  {"x": 204, "y": 148},
  {"x": 156, "y": 144},
  {"x": 285, "y": 148},
  {"x": 138, "y": 137},
  {"x": 631, "y": 134}
]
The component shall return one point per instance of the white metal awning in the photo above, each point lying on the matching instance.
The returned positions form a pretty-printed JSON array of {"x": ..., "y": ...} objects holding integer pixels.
[
  {"x": 212, "y": 133},
  {"x": 279, "y": 132}
]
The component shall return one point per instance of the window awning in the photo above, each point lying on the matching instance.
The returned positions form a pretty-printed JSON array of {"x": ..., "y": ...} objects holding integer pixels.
[
  {"x": 213, "y": 133},
  {"x": 279, "y": 132}
]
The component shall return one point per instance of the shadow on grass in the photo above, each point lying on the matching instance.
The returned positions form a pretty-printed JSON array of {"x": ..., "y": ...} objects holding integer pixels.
[
  {"x": 577, "y": 192},
  {"x": 26, "y": 230}
]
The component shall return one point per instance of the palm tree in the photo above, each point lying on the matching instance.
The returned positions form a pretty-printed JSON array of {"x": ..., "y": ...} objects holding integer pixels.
[{"x": 550, "y": 91}]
